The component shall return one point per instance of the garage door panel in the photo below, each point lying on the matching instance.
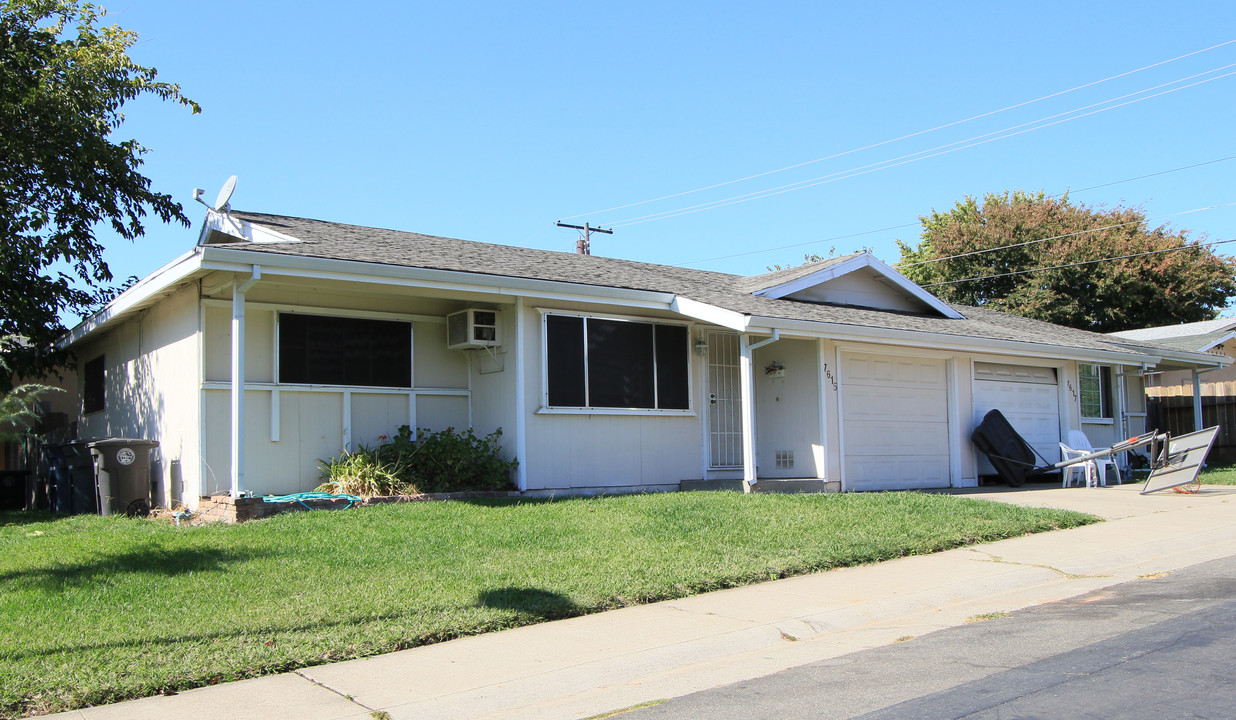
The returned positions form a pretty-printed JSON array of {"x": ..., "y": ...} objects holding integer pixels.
[
  {"x": 873, "y": 438},
  {"x": 905, "y": 404},
  {"x": 1017, "y": 397},
  {"x": 888, "y": 370},
  {"x": 864, "y": 472},
  {"x": 894, "y": 422}
]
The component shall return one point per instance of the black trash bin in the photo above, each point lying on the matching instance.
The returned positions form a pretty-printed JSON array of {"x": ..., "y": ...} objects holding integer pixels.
[
  {"x": 122, "y": 475},
  {"x": 79, "y": 466},
  {"x": 56, "y": 477},
  {"x": 13, "y": 489}
]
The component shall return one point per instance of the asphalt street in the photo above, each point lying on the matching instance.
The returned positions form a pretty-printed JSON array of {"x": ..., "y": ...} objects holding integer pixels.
[{"x": 1156, "y": 648}]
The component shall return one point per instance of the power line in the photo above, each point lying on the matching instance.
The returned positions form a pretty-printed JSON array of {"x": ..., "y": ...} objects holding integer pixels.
[
  {"x": 905, "y": 137},
  {"x": 1079, "y": 264},
  {"x": 1066, "y": 235},
  {"x": 915, "y": 224},
  {"x": 922, "y": 154}
]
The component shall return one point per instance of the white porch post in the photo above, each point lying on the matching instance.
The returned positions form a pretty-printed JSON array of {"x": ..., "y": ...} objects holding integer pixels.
[
  {"x": 746, "y": 383},
  {"x": 1197, "y": 400},
  {"x": 521, "y": 438},
  {"x": 238, "y": 379},
  {"x": 746, "y": 375}
]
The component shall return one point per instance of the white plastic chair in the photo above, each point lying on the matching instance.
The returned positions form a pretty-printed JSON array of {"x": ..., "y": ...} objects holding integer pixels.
[
  {"x": 1085, "y": 472},
  {"x": 1078, "y": 439}
]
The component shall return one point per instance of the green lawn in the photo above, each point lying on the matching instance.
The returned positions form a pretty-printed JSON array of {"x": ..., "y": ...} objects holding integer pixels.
[
  {"x": 96, "y": 610},
  {"x": 1216, "y": 474}
]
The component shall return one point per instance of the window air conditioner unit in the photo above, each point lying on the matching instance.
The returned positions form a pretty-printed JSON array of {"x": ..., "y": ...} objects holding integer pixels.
[{"x": 472, "y": 329}]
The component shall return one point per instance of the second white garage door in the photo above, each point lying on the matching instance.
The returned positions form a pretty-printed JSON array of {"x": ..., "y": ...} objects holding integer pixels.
[
  {"x": 1028, "y": 398},
  {"x": 894, "y": 420}
]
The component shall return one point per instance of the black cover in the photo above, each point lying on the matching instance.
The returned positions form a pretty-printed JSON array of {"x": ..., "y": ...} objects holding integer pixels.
[{"x": 1009, "y": 453}]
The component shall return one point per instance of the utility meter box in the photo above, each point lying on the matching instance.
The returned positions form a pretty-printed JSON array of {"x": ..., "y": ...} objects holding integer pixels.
[{"x": 473, "y": 328}]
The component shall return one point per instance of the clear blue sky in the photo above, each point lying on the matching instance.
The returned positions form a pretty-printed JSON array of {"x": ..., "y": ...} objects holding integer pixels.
[{"x": 489, "y": 121}]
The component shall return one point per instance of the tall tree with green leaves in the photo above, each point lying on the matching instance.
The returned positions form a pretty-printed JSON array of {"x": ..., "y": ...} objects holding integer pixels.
[
  {"x": 64, "y": 169},
  {"x": 1048, "y": 258}
]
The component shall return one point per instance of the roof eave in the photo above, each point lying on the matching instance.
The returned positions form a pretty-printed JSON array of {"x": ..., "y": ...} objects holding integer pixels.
[{"x": 134, "y": 298}]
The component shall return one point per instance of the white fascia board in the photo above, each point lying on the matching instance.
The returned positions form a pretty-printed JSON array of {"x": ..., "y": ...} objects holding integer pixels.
[
  {"x": 1216, "y": 343},
  {"x": 866, "y": 260},
  {"x": 1199, "y": 359},
  {"x": 958, "y": 343},
  {"x": 710, "y": 313},
  {"x": 298, "y": 266},
  {"x": 142, "y": 291},
  {"x": 812, "y": 279}
]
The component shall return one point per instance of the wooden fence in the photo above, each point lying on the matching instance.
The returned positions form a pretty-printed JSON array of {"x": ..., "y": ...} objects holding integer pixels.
[{"x": 1175, "y": 415}]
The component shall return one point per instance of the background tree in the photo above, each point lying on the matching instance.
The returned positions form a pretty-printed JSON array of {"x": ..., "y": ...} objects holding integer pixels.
[
  {"x": 1182, "y": 281},
  {"x": 63, "y": 171}
]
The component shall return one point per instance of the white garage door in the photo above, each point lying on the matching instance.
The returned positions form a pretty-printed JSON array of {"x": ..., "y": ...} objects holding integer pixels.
[
  {"x": 1027, "y": 396},
  {"x": 894, "y": 419}
]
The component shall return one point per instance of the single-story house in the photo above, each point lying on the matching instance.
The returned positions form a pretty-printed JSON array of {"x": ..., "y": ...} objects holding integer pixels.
[{"x": 278, "y": 341}]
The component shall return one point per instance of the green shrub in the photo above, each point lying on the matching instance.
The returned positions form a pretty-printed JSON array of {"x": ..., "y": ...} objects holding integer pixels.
[
  {"x": 446, "y": 461},
  {"x": 450, "y": 461},
  {"x": 363, "y": 472}
]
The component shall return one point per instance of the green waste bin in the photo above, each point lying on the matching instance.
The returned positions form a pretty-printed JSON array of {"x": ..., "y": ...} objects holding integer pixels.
[{"x": 122, "y": 475}]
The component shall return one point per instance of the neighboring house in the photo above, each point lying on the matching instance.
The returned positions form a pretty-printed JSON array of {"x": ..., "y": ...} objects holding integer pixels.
[
  {"x": 1217, "y": 337},
  {"x": 278, "y": 341}
]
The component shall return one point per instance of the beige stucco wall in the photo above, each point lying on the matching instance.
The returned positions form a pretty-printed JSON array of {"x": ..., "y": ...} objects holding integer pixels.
[
  {"x": 787, "y": 409},
  {"x": 290, "y": 428},
  {"x": 594, "y": 452},
  {"x": 151, "y": 371}
]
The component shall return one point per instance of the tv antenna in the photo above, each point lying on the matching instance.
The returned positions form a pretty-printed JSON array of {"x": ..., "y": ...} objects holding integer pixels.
[{"x": 583, "y": 246}]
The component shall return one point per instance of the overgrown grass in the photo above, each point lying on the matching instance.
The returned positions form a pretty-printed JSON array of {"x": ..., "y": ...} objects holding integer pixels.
[
  {"x": 1216, "y": 474},
  {"x": 96, "y": 610}
]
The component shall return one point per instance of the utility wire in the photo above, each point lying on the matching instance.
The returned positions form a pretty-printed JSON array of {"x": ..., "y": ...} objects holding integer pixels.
[
  {"x": 1060, "y": 237},
  {"x": 915, "y": 224},
  {"x": 926, "y": 154},
  {"x": 903, "y": 137},
  {"x": 1079, "y": 264}
]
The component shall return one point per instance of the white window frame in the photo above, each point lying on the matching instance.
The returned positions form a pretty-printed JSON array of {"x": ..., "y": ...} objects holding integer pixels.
[
  {"x": 547, "y": 409},
  {"x": 1105, "y": 392}
]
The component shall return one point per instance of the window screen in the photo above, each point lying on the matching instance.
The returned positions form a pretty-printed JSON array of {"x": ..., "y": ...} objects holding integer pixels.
[
  {"x": 602, "y": 363},
  {"x": 321, "y": 350},
  {"x": 1096, "y": 391},
  {"x": 94, "y": 397}
]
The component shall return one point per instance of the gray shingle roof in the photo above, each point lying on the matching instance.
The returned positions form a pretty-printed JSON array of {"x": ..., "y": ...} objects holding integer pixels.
[{"x": 320, "y": 239}]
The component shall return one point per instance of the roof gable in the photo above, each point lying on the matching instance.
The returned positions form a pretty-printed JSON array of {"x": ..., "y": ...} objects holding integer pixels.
[{"x": 859, "y": 280}]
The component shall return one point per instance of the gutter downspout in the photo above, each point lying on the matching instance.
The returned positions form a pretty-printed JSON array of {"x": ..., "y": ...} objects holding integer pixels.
[
  {"x": 238, "y": 378},
  {"x": 747, "y": 386}
]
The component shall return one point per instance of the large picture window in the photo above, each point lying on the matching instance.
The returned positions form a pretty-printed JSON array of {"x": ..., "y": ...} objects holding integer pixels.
[
  {"x": 1095, "y": 383},
  {"x": 605, "y": 363},
  {"x": 323, "y": 350}
]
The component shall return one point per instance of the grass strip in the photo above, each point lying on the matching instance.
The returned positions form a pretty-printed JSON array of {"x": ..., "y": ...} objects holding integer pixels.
[
  {"x": 1219, "y": 474},
  {"x": 95, "y": 610}
]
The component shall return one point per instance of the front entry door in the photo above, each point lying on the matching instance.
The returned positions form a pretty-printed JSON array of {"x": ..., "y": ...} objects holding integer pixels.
[{"x": 724, "y": 401}]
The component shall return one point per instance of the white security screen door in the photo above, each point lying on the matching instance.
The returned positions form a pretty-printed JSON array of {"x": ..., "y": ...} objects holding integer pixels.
[{"x": 724, "y": 401}]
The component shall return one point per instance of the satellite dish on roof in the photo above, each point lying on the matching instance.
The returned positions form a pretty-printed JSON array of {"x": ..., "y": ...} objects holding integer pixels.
[{"x": 225, "y": 194}]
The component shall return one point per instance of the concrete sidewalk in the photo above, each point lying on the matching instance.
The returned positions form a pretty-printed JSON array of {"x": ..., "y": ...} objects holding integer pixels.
[{"x": 584, "y": 666}]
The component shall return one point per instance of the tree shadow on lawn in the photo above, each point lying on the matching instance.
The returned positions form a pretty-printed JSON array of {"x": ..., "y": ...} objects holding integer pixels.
[
  {"x": 530, "y": 602},
  {"x": 145, "y": 561},
  {"x": 27, "y": 517}
]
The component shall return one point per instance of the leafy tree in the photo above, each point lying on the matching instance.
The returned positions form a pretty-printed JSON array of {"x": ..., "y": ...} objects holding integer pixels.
[
  {"x": 996, "y": 250},
  {"x": 17, "y": 405},
  {"x": 63, "y": 82}
]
